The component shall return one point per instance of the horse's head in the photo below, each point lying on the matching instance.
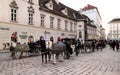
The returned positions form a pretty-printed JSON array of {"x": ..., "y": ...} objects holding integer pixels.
[{"x": 49, "y": 44}]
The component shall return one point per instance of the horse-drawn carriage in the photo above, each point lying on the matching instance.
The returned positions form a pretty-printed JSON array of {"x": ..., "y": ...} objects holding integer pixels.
[{"x": 18, "y": 50}]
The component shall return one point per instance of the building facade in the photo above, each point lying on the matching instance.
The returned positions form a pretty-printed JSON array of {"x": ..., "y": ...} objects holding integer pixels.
[
  {"x": 93, "y": 13},
  {"x": 114, "y": 29},
  {"x": 90, "y": 29},
  {"x": 103, "y": 34},
  {"x": 31, "y": 19}
]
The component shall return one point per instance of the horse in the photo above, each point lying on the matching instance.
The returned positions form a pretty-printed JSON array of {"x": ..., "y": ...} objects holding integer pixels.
[
  {"x": 52, "y": 50},
  {"x": 58, "y": 48},
  {"x": 19, "y": 48}
]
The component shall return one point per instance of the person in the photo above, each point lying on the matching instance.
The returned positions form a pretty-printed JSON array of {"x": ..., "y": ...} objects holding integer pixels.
[
  {"x": 93, "y": 46},
  {"x": 99, "y": 45},
  {"x": 77, "y": 47},
  {"x": 117, "y": 45},
  {"x": 43, "y": 50},
  {"x": 68, "y": 48},
  {"x": 113, "y": 45},
  {"x": 49, "y": 48}
]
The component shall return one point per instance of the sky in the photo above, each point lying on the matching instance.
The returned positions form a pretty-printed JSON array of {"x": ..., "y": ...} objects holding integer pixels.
[{"x": 108, "y": 9}]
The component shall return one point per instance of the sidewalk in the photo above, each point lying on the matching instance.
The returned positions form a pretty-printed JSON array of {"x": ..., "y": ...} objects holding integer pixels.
[{"x": 4, "y": 51}]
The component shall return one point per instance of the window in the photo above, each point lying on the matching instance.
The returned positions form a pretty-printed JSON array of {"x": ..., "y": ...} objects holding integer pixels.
[
  {"x": 74, "y": 27},
  {"x": 51, "y": 22},
  {"x": 58, "y": 23},
  {"x": 13, "y": 14},
  {"x": 80, "y": 34},
  {"x": 30, "y": 1},
  {"x": 42, "y": 20},
  {"x": 65, "y": 10},
  {"x": 50, "y": 5},
  {"x": 66, "y": 25},
  {"x": 14, "y": 7},
  {"x": 71, "y": 26},
  {"x": 30, "y": 18},
  {"x": 30, "y": 15}
]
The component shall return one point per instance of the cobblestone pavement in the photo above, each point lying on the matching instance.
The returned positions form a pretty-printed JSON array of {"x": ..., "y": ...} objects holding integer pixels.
[{"x": 106, "y": 62}]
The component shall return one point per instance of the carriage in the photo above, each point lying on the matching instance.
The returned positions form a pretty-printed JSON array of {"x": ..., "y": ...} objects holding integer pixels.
[{"x": 88, "y": 46}]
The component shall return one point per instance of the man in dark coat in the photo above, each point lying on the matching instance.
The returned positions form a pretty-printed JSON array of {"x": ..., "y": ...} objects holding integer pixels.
[
  {"x": 93, "y": 46},
  {"x": 43, "y": 50},
  {"x": 113, "y": 45},
  {"x": 117, "y": 45}
]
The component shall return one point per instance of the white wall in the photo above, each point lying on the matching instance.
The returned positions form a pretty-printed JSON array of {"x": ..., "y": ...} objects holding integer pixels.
[{"x": 22, "y": 23}]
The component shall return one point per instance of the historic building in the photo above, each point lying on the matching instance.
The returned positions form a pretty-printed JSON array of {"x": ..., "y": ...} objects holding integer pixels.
[
  {"x": 28, "y": 20},
  {"x": 114, "y": 29},
  {"x": 90, "y": 29},
  {"x": 103, "y": 34},
  {"x": 93, "y": 13}
]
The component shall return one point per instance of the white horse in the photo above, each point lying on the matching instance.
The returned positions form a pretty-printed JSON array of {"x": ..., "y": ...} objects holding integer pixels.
[{"x": 56, "y": 48}]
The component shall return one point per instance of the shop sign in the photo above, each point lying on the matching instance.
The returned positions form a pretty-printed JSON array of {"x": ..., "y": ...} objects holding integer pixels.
[
  {"x": 71, "y": 34},
  {"x": 4, "y": 28},
  {"x": 23, "y": 35}
]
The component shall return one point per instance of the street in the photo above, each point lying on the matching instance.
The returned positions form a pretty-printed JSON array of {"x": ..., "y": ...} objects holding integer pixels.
[{"x": 105, "y": 62}]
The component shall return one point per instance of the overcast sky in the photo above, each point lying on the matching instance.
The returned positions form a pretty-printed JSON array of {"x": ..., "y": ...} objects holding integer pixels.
[{"x": 108, "y": 9}]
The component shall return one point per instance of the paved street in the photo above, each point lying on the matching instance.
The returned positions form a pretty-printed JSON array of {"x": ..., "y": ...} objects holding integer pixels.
[{"x": 106, "y": 62}]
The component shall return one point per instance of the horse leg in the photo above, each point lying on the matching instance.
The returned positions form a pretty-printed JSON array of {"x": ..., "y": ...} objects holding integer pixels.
[
  {"x": 21, "y": 55},
  {"x": 53, "y": 58},
  {"x": 61, "y": 57},
  {"x": 49, "y": 55},
  {"x": 13, "y": 55}
]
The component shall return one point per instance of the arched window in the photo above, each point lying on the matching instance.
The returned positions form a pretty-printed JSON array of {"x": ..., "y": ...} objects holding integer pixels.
[
  {"x": 14, "y": 7},
  {"x": 30, "y": 15}
]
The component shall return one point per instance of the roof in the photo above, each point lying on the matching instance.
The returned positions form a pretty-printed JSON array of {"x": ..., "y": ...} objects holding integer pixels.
[
  {"x": 115, "y": 20},
  {"x": 72, "y": 14},
  {"x": 88, "y": 7},
  {"x": 88, "y": 20}
]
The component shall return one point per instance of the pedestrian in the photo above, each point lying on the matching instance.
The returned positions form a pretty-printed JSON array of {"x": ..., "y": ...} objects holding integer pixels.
[
  {"x": 113, "y": 45},
  {"x": 43, "y": 50},
  {"x": 100, "y": 45},
  {"x": 117, "y": 45},
  {"x": 68, "y": 48},
  {"x": 77, "y": 47},
  {"x": 93, "y": 46}
]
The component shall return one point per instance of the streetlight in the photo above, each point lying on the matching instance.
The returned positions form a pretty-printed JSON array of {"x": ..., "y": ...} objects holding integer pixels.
[{"x": 45, "y": 32}]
